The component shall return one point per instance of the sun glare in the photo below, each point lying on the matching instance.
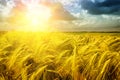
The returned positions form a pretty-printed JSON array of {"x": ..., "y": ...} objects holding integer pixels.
[{"x": 38, "y": 16}]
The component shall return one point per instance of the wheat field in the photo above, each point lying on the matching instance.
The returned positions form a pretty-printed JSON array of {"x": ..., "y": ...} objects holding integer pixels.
[{"x": 59, "y": 56}]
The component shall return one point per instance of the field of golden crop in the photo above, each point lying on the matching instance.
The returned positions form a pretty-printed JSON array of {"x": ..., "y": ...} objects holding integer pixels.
[{"x": 59, "y": 56}]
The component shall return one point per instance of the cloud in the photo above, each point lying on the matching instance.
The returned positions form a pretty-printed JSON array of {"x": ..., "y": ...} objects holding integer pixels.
[
  {"x": 71, "y": 5},
  {"x": 60, "y": 13},
  {"x": 5, "y": 7},
  {"x": 101, "y": 6},
  {"x": 109, "y": 3}
]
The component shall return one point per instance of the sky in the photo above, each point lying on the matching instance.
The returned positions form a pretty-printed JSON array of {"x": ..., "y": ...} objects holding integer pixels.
[{"x": 78, "y": 14}]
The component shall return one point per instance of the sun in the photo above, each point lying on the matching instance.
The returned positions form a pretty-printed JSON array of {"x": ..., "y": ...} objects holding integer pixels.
[{"x": 37, "y": 16}]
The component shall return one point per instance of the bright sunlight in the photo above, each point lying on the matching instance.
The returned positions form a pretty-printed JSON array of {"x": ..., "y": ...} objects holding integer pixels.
[{"x": 37, "y": 16}]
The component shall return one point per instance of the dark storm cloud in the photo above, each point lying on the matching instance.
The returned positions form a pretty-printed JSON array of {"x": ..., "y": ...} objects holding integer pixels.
[
  {"x": 109, "y": 3},
  {"x": 105, "y": 7}
]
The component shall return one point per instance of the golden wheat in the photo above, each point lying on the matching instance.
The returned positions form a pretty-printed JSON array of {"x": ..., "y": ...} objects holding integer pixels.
[{"x": 59, "y": 56}]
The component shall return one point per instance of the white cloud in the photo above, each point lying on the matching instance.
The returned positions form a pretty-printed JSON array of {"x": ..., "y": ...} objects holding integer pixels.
[
  {"x": 67, "y": 2},
  {"x": 87, "y": 20},
  {"x": 5, "y": 9}
]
